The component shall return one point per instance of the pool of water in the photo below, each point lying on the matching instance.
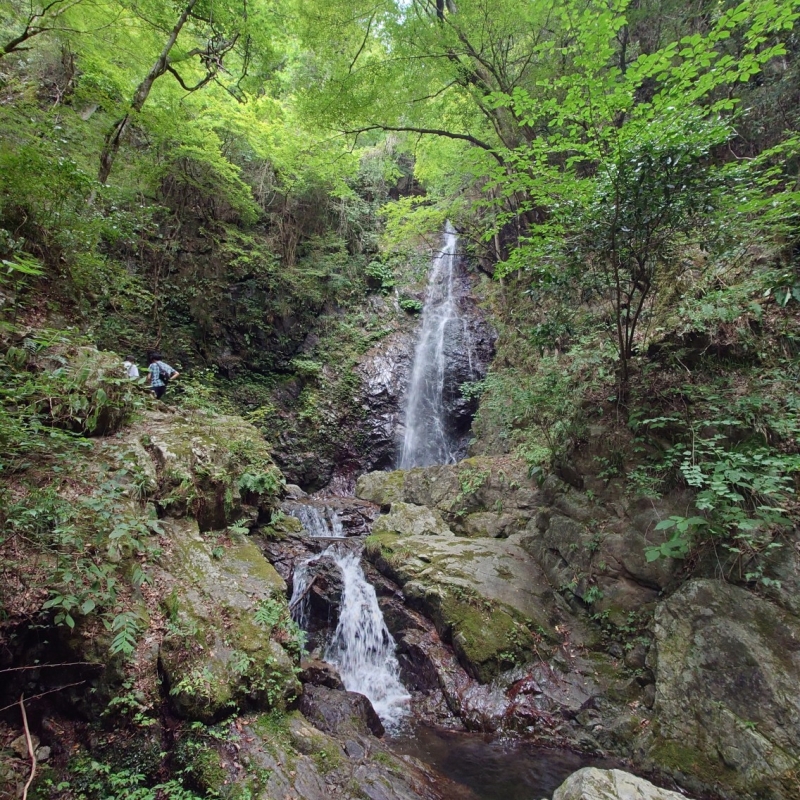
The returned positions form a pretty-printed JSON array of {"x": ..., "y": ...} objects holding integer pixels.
[{"x": 493, "y": 769}]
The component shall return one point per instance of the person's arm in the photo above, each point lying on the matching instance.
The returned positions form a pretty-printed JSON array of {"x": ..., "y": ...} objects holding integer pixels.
[{"x": 149, "y": 378}]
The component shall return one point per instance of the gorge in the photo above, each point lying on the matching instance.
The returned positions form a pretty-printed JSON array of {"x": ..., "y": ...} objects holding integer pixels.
[{"x": 478, "y": 476}]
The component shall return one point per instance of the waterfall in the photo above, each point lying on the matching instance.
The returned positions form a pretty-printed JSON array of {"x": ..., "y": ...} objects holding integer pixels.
[
  {"x": 427, "y": 439},
  {"x": 319, "y": 524},
  {"x": 361, "y": 647}
]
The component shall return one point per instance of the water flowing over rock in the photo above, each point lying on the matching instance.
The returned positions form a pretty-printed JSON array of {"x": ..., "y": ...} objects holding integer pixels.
[
  {"x": 436, "y": 413},
  {"x": 361, "y": 646},
  {"x": 322, "y": 522}
]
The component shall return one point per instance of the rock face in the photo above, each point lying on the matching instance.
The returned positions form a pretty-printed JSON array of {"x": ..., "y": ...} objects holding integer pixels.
[
  {"x": 356, "y": 425},
  {"x": 595, "y": 553},
  {"x": 216, "y": 469},
  {"x": 509, "y": 647},
  {"x": 611, "y": 650},
  {"x": 288, "y": 758},
  {"x": 727, "y": 672},
  {"x": 216, "y": 656},
  {"x": 610, "y": 784},
  {"x": 385, "y": 371}
]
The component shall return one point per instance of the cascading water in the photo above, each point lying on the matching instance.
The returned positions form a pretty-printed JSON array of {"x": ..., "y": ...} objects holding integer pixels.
[
  {"x": 320, "y": 524},
  {"x": 362, "y": 647},
  {"x": 427, "y": 439}
]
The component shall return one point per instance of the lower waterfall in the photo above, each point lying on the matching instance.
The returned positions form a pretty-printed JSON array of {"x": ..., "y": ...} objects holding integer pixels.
[{"x": 361, "y": 647}]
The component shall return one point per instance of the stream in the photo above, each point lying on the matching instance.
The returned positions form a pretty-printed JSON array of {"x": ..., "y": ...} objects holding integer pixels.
[
  {"x": 492, "y": 768},
  {"x": 361, "y": 646}
]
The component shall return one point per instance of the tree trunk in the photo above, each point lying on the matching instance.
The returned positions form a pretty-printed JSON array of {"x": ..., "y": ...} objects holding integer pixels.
[{"x": 114, "y": 136}]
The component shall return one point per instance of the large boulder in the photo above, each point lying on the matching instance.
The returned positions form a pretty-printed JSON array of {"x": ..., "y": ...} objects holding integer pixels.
[
  {"x": 217, "y": 655},
  {"x": 285, "y": 757},
  {"x": 217, "y": 469},
  {"x": 383, "y": 488},
  {"x": 727, "y": 705},
  {"x": 409, "y": 520},
  {"x": 499, "y": 486},
  {"x": 486, "y": 596},
  {"x": 591, "y": 783}
]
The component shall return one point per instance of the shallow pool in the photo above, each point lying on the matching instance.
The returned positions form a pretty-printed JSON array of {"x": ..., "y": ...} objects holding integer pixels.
[{"x": 493, "y": 769}]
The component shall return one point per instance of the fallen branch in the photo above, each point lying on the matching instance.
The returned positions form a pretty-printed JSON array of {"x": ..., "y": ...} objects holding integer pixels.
[
  {"x": 30, "y": 747},
  {"x": 49, "y": 691},
  {"x": 296, "y": 602},
  {"x": 46, "y": 666}
]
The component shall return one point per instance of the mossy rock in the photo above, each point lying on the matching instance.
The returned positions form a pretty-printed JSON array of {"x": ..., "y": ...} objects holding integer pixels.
[
  {"x": 486, "y": 638},
  {"x": 211, "y": 467},
  {"x": 727, "y": 669},
  {"x": 85, "y": 390},
  {"x": 405, "y": 519},
  {"x": 383, "y": 488},
  {"x": 486, "y": 596},
  {"x": 217, "y": 658}
]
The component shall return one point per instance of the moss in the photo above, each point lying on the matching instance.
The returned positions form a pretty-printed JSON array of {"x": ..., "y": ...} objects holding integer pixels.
[
  {"x": 673, "y": 755},
  {"x": 383, "y": 488},
  {"x": 384, "y": 759},
  {"x": 203, "y": 764},
  {"x": 273, "y": 725},
  {"x": 487, "y": 638},
  {"x": 328, "y": 759}
]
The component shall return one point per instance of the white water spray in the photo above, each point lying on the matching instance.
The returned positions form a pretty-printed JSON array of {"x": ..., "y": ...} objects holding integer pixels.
[
  {"x": 320, "y": 524},
  {"x": 362, "y": 647},
  {"x": 427, "y": 439}
]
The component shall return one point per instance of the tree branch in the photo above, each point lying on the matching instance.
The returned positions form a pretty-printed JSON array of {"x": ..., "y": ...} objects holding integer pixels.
[
  {"x": 363, "y": 43},
  {"x": 464, "y": 137},
  {"x": 175, "y": 74},
  {"x": 28, "y": 741}
]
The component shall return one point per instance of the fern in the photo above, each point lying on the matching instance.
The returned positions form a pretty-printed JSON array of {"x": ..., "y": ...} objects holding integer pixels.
[{"x": 126, "y": 628}]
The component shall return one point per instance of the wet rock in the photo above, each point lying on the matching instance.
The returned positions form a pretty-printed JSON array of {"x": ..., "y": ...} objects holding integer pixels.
[
  {"x": 294, "y": 492},
  {"x": 591, "y": 783},
  {"x": 340, "y": 712},
  {"x": 727, "y": 671},
  {"x": 385, "y": 371},
  {"x": 320, "y": 673},
  {"x": 324, "y": 595}
]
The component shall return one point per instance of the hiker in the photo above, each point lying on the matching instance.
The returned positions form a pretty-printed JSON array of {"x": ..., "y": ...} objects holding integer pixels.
[
  {"x": 159, "y": 374},
  {"x": 129, "y": 365}
]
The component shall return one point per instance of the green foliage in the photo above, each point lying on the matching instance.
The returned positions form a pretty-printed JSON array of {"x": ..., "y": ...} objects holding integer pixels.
[
  {"x": 94, "y": 780},
  {"x": 93, "y": 546},
  {"x": 382, "y": 274},
  {"x": 744, "y": 490},
  {"x": 275, "y": 616},
  {"x": 411, "y": 304},
  {"x": 268, "y": 482}
]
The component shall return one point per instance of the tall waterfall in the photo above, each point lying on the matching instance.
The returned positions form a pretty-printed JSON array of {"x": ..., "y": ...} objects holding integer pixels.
[
  {"x": 427, "y": 439},
  {"x": 362, "y": 647}
]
